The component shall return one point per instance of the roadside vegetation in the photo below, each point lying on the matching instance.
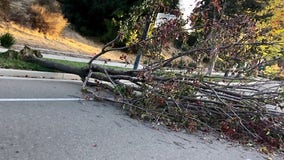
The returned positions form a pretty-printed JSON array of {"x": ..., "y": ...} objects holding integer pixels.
[
  {"x": 7, "y": 40},
  {"x": 10, "y": 61}
]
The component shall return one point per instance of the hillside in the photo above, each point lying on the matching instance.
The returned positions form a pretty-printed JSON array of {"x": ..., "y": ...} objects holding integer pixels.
[{"x": 68, "y": 41}]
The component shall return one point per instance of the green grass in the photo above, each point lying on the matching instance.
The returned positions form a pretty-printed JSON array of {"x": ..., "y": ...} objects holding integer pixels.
[{"x": 18, "y": 64}]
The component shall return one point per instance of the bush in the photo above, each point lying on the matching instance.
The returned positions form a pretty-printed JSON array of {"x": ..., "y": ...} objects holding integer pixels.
[
  {"x": 52, "y": 23},
  {"x": 7, "y": 40}
]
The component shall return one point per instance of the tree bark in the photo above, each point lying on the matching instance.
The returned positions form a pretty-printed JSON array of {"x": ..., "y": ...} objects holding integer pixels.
[
  {"x": 213, "y": 62},
  {"x": 82, "y": 72}
]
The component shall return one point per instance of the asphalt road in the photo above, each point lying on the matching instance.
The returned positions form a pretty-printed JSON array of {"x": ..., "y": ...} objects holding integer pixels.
[{"x": 44, "y": 120}]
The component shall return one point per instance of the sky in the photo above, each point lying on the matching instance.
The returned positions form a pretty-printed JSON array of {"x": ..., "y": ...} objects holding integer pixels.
[{"x": 186, "y": 6}]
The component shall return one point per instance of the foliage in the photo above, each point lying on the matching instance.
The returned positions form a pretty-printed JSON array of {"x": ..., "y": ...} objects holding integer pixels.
[
  {"x": 217, "y": 23},
  {"x": 134, "y": 26},
  {"x": 7, "y": 40},
  {"x": 271, "y": 29},
  {"x": 274, "y": 72},
  {"x": 140, "y": 27}
]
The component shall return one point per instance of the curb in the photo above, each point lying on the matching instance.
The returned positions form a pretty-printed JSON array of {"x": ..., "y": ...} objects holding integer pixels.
[{"x": 37, "y": 74}]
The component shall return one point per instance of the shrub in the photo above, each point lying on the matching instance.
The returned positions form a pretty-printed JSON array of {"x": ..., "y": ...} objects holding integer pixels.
[
  {"x": 7, "y": 40},
  {"x": 47, "y": 22}
]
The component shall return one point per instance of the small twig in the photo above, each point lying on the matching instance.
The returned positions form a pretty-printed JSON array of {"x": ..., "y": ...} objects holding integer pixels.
[
  {"x": 103, "y": 51},
  {"x": 113, "y": 83},
  {"x": 220, "y": 101},
  {"x": 159, "y": 116},
  {"x": 173, "y": 100},
  {"x": 111, "y": 42},
  {"x": 87, "y": 79},
  {"x": 241, "y": 122}
]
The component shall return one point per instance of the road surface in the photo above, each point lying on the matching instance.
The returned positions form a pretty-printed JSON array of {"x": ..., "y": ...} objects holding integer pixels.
[{"x": 45, "y": 120}]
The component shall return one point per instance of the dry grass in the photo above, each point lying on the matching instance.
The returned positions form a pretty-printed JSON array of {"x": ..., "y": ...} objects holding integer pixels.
[
  {"x": 47, "y": 22},
  {"x": 70, "y": 41}
]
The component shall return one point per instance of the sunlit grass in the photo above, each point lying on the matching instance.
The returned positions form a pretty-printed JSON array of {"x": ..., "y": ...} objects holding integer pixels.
[{"x": 36, "y": 38}]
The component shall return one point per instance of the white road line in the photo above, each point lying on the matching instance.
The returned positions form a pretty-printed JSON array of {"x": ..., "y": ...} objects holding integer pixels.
[{"x": 41, "y": 99}]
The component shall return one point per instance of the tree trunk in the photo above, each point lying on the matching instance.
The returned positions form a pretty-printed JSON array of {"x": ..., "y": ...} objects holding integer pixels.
[
  {"x": 213, "y": 62},
  {"x": 82, "y": 72},
  {"x": 30, "y": 55}
]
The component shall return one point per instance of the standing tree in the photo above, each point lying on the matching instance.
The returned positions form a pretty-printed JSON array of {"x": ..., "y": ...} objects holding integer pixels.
[{"x": 226, "y": 22}]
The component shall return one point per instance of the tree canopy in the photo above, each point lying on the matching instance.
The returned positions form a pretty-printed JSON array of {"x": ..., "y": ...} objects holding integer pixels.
[
  {"x": 219, "y": 23},
  {"x": 271, "y": 29}
]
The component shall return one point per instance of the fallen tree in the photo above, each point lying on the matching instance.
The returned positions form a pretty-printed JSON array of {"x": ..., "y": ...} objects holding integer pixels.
[{"x": 238, "y": 108}]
